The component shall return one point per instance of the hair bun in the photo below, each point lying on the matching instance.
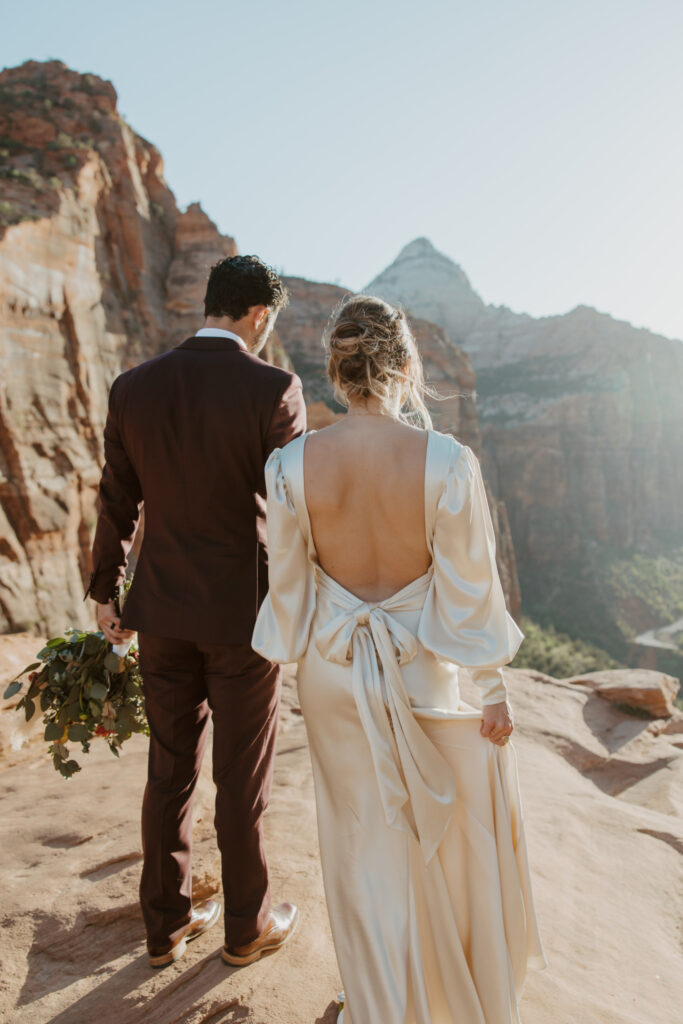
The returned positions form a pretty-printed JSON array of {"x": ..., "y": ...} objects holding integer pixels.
[{"x": 372, "y": 353}]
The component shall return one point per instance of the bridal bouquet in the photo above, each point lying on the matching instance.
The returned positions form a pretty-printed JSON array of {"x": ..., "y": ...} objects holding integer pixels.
[{"x": 84, "y": 690}]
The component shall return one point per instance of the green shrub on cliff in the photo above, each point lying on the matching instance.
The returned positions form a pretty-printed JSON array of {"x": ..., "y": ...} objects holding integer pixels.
[{"x": 556, "y": 654}]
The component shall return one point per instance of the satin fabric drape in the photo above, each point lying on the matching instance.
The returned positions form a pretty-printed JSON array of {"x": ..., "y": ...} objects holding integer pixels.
[{"x": 420, "y": 818}]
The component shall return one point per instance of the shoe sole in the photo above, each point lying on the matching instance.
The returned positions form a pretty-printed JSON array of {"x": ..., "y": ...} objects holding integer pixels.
[
  {"x": 166, "y": 959},
  {"x": 242, "y": 961}
]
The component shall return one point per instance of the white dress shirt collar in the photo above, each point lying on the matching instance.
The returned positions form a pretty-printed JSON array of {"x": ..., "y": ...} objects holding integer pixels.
[{"x": 218, "y": 332}]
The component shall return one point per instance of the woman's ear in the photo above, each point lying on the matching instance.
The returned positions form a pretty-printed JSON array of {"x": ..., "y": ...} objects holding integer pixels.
[{"x": 405, "y": 384}]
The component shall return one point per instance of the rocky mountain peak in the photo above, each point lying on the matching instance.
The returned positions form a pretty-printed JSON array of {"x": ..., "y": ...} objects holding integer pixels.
[
  {"x": 419, "y": 247},
  {"x": 53, "y": 78},
  {"x": 421, "y": 278}
]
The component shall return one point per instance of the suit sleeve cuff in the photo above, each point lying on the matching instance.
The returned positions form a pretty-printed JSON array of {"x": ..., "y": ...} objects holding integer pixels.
[{"x": 101, "y": 590}]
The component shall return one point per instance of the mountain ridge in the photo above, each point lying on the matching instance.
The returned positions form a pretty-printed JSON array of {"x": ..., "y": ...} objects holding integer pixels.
[
  {"x": 422, "y": 248},
  {"x": 581, "y": 418}
]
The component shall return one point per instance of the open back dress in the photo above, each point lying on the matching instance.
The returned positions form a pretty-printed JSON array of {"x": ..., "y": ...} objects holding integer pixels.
[{"x": 420, "y": 819}]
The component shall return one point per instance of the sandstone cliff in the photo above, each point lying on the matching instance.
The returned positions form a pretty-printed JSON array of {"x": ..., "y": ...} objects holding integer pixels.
[
  {"x": 581, "y": 418},
  {"x": 98, "y": 270}
]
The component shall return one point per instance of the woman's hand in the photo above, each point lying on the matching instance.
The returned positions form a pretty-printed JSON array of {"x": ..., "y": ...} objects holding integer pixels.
[{"x": 497, "y": 723}]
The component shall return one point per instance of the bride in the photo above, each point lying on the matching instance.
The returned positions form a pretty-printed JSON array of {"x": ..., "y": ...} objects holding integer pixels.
[{"x": 383, "y": 581}]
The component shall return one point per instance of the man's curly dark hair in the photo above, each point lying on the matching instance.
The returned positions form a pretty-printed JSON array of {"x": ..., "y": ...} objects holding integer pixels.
[{"x": 240, "y": 282}]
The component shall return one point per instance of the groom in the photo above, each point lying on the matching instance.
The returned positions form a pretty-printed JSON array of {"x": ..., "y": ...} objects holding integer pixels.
[{"x": 188, "y": 434}]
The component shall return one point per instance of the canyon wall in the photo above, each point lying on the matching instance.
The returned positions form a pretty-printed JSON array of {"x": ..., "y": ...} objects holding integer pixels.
[
  {"x": 90, "y": 237},
  {"x": 99, "y": 270},
  {"x": 581, "y": 417}
]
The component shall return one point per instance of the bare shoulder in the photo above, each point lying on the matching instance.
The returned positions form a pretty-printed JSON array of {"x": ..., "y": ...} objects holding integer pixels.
[{"x": 356, "y": 453}]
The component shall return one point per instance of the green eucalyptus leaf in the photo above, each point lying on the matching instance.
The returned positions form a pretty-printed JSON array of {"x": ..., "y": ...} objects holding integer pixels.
[
  {"x": 125, "y": 719},
  {"x": 113, "y": 663},
  {"x": 13, "y": 688},
  {"x": 88, "y": 685},
  {"x": 132, "y": 686},
  {"x": 78, "y": 732},
  {"x": 93, "y": 644}
]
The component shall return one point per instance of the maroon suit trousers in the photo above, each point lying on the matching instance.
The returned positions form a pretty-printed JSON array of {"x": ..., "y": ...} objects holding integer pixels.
[{"x": 184, "y": 684}]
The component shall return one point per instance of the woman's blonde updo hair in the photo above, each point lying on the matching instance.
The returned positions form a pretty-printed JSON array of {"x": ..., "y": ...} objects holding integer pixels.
[{"x": 372, "y": 354}]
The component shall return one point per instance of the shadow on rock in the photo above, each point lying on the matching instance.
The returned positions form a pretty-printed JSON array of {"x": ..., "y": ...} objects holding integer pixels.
[
  {"x": 60, "y": 956},
  {"x": 330, "y": 1015}
]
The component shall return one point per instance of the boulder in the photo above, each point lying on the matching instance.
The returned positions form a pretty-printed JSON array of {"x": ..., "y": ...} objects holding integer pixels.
[{"x": 643, "y": 689}]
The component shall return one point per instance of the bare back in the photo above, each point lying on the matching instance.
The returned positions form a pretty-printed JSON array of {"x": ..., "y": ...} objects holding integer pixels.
[{"x": 365, "y": 494}]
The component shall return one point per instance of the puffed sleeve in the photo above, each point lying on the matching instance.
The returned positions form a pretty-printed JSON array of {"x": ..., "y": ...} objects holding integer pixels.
[
  {"x": 284, "y": 619},
  {"x": 465, "y": 619}
]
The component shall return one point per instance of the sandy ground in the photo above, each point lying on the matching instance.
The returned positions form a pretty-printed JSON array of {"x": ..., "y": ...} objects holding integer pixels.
[{"x": 603, "y": 802}]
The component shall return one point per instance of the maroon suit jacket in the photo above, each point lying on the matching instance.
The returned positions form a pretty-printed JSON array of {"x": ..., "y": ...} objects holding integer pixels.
[{"x": 188, "y": 434}]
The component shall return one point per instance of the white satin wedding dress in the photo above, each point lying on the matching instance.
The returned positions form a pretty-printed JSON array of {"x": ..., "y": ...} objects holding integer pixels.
[{"x": 420, "y": 819}]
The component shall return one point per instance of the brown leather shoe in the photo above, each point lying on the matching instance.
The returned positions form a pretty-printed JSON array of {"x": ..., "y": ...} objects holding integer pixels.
[
  {"x": 203, "y": 917},
  {"x": 280, "y": 928}
]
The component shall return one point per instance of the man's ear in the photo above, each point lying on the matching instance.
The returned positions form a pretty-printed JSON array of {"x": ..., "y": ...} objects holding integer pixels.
[{"x": 260, "y": 315}]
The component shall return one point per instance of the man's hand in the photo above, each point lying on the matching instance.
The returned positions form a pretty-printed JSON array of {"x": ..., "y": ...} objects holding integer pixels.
[
  {"x": 110, "y": 624},
  {"x": 497, "y": 723}
]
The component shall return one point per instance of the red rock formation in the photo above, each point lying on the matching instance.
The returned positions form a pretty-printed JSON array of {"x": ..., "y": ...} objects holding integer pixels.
[
  {"x": 197, "y": 246},
  {"x": 90, "y": 235},
  {"x": 650, "y": 691},
  {"x": 98, "y": 270}
]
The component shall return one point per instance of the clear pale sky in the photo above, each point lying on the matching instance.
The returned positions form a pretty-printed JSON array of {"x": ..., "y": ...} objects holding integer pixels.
[{"x": 537, "y": 143}]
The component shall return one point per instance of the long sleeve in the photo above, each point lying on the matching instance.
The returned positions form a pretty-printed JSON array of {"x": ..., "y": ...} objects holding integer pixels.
[
  {"x": 284, "y": 619},
  {"x": 119, "y": 503},
  {"x": 289, "y": 419},
  {"x": 465, "y": 619}
]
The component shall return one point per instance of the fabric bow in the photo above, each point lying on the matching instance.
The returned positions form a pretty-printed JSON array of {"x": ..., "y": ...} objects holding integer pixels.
[{"x": 416, "y": 784}]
